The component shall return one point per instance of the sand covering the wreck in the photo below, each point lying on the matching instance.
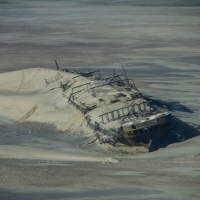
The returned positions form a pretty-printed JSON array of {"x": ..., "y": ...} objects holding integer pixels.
[
  {"x": 26, "y": 96},
  {"x": 35, "y": 95}
]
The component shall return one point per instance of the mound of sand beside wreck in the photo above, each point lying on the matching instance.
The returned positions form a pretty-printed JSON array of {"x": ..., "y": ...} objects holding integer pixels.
[{"x": 35, "y": 96}]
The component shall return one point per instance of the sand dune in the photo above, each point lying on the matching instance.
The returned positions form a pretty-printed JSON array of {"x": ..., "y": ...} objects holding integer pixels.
[{"x": 46, "y": 149}]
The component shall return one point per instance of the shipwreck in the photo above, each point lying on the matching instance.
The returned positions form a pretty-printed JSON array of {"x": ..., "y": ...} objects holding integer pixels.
[{"x": 115, "y": 109}]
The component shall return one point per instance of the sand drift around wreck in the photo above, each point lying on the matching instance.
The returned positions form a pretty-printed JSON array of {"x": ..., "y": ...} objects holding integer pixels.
[
  {"x": 86, "y": 105},
  {"x": 115, "y": 109}
]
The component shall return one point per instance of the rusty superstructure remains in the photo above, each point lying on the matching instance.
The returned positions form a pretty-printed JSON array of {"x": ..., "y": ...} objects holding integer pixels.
[{"x": 116, "y": 109}]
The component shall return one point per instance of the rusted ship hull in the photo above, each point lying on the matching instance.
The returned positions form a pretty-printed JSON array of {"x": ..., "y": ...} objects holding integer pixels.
[{"x": 147, "y": 134}]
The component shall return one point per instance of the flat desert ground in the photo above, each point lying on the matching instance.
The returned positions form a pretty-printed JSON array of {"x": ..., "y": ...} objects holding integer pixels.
[{"x": 49, "y": 155}]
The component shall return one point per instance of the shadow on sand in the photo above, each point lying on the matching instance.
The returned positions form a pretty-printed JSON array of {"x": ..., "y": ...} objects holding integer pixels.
[
  {"x": 171, "y": 105},
  {"x": 179, "y": 132}
]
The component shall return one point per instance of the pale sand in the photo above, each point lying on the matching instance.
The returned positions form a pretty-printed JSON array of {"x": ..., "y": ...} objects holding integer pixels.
[
  {"x": 159, "y": 46},
  {"x": 21, "y": 152},
  {"x": 38, "y": 125}
]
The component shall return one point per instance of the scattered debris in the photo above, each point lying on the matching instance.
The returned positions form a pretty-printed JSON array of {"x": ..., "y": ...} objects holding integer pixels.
[
  {"x": 28, "y": 114},
  {"x": 53, "y": 79}
]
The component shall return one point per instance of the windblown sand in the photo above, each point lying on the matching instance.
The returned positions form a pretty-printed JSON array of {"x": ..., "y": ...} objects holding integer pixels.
[{"x": 46, "y": 149}]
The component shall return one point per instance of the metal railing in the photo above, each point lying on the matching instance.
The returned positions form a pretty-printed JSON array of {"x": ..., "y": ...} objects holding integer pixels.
[{"x": 124, "y": 111}]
